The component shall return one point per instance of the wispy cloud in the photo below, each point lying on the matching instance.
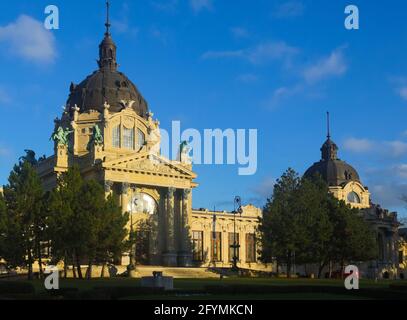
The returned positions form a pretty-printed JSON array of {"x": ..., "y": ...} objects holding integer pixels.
[
  {"x": 239, "y": 32},
  {"x": 124, "y": 25},
  {"x": 393, "y": 149},
  {"x": 200, "y": 5},
  {"x": 165, "y": 5},
  {"x": 28, "y": 39},
  {"x": 332, "y": 65},
  {"x": 289, "y": 9},
  {"x": 403, "y": 92},
  {"x": 260, "y": 54},
  {"x": 265, "y": 188}
]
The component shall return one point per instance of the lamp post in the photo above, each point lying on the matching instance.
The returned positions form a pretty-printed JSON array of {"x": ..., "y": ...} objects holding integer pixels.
[
  {"x": 132, "y": 263},
  {"x": 236, "y": 246},
  {"x": 214, "y": 218}
]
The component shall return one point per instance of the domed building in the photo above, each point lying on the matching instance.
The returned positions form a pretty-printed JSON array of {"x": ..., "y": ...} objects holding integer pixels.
[
  {"x": 343, "y": 180},
  {"x": 345, "y": 184},
  {"x": 107, "y": 130}
]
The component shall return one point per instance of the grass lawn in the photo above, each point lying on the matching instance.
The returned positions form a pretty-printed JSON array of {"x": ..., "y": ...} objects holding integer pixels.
[{"x": 217, "y": 289}]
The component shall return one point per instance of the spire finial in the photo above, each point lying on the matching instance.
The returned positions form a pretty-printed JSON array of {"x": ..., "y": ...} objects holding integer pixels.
[
  {"x": 328, "y": 126},
  {"x": 107, "y": 24}
]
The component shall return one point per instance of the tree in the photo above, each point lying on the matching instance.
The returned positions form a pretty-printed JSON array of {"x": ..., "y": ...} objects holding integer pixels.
[
  {"x": 84, "y": 224},
  {"x": 25, "y": 220},
  {"x": 281, "y": 234},
  {"x": 3, "y": 225},
  {"x": 112, "y": 232},
  {"x": 64, "y": 229},
  {"x": 304, "y": 223},
  {"x": 312, "y": 210},
  {"x": 353, "y": 239}
]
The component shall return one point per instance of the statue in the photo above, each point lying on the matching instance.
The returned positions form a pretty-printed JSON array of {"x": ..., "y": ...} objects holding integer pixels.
[
  {"x": 60, "y": 136},
  {"x": 154, "y": 136},
  {"x": 185, "y": 149},
  {"x": 97, "y": 135},
  {"x": 29, "y": 157}
]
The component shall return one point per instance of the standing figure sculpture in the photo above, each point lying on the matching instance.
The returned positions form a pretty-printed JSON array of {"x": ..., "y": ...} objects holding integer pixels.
[
  {"x": 184, "y": 156},
  {"x": 60, "y": 136},
  {"x": 97, "y": 135}
]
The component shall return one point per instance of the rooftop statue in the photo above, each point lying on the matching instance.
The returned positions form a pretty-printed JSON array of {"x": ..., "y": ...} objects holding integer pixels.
[
  {"x": 60, "y": 136},
  {"x": 97, "y": 135},
  {"x": 185, "y": 157}
]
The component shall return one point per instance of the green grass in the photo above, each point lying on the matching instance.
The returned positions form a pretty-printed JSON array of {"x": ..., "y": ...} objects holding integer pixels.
[{"x": 242, "y": 289}]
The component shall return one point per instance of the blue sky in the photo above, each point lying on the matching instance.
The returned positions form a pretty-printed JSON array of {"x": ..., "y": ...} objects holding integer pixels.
[{"x": 275, "y": 66}]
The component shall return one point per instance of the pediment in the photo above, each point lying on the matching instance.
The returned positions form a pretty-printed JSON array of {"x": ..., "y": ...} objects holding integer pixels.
[{"x": 148, "y": 163}]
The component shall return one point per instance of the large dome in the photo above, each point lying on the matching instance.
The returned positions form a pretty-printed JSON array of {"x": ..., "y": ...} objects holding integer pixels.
[
  {"x": 333, "y": 170},
  {"x": 106, "y": 85}
]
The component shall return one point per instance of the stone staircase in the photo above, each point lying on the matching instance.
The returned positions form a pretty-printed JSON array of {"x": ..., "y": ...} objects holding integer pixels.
[{"x": 177, "y": 273}]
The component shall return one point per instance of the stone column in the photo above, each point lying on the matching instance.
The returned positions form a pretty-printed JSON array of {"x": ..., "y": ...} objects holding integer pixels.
[
  {"x": 108, "y": 187},
  {"x": 123, "y": 202},
  {"x": 170, "y": 255},
  {"x": 185, "y": 253}
]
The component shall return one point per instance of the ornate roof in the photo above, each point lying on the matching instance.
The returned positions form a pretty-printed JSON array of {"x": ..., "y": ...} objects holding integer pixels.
[
  {"x": 333, "y": 170},
  {"x": 107, "y": 84}
]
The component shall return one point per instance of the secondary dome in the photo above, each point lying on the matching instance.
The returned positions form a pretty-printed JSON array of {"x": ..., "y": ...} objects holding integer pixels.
[
  {"x": 333, "y": 170},
  {"x": 107, "y": 85}
]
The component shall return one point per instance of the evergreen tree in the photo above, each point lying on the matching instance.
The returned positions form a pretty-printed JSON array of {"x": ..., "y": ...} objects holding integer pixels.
[
  {"x": 3, "y": 225},
  {"x": 25, "y": 219},
  {"x": 280, "y": 229}
]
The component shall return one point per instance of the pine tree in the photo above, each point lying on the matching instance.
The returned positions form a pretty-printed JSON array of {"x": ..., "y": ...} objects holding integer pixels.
[{"x": 25, "y": 220}]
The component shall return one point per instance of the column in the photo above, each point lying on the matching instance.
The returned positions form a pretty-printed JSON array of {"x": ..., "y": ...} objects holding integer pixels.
[
  {"x": 185, "y": 253},
  {"x": 170, "y": 255},
  {"x": 123, "y": 202}
]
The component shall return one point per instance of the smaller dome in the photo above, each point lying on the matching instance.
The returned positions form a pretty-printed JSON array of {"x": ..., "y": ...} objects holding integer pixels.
[{"x": 334, "y": 172}]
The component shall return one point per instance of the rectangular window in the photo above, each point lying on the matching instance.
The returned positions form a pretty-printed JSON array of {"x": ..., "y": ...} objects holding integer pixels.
[
  {"x": 216, "y": 245},
  {"x": 250, "y": 247},
  {"x": 197, "y": 245},
  {"x": 116, "y": 137},
  {"x": 232, "y": 246},
  {"x": 128, "y": 138}
]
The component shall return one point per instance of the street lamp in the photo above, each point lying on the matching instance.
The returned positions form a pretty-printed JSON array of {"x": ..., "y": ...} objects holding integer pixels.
[
  {"x": 132, "y": 264},
  {"x": 236, "y": 246}
]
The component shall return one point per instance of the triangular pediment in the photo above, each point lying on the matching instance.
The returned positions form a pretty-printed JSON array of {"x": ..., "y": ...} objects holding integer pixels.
[{"x": 149, "y": 163}]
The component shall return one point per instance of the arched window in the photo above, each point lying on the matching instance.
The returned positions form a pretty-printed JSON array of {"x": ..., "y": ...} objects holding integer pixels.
[
  {"x": 141, "y": 139},
  {"x": 353, "y": 197},
  {"x": 128, "y": 138},
  {"x": 142, "y": 203},
  {"x": 116, "y": 137}
]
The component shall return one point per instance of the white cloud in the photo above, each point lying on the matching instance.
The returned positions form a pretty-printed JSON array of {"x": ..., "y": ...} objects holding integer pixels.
[
  {"x": 401, "y": 170},
  {"x": 392, "y": 149},
  {"x": 260, "y": 54},
  {"x": 265, "y": 188},
  {"x": 199, "y": 5},
  {"x": 289, "y": 9},
  {"x": 333, "y": 65},
  {"x": 403, "y": 93},
  {"x": 359, "y": 145},
  {"x": 239, "y": 32},
  {"x": 27, "y": 38}
]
